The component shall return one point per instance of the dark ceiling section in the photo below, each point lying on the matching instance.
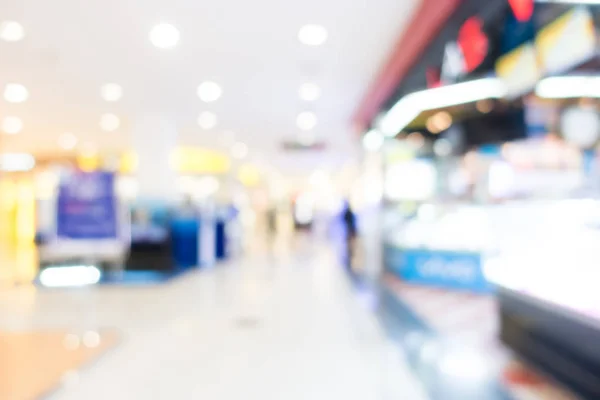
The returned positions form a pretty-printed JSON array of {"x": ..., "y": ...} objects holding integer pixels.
[
  {"x": 504, "y": 120},
  {"x": 428, "y": 19},
  {"x": 592, "y": 66},
  {"x": 506, "y": 123},
  {"x": 503, "y": 36},
  {"x": 546, "y": 13},
  {"x": 433, "y": 56}
]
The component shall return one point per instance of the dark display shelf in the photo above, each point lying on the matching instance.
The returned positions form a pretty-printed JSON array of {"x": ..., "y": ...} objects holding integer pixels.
[{"x": 558, "y": 342}]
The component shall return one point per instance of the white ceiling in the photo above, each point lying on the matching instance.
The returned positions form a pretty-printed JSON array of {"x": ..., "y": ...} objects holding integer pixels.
[{"x": 250, "y": 48}]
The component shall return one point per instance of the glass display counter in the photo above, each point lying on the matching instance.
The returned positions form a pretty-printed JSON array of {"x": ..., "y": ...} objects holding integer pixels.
[
  {"x": 475, "y": 248},
  {"x": 542, "y": 260},
  {"x": 548, "y": 295},
  {"x": 440, "y": 246}
]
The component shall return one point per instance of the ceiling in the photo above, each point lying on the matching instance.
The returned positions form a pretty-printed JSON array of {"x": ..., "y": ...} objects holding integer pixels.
[{"x": 250, "y": 49}]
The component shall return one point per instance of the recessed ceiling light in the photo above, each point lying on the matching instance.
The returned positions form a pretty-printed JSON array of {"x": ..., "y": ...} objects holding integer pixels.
[
  {"x": 209, "y": 92},
  {"x": 11, "y": 31},
  {"x": 164, "y": 36},
  {"x": 312, "y": 35},
  {"x": 67, "y": 141},
  {"x": 309, "y": 91},
  {"x": 239, "y": 150},
  {"x": 12, "y": 125},
  {"x": 306, "y": 120},
  {"x": 15, "y": 93},
  {"x": 207, "y": 120},
  {"x": 111, "y": 92},
  {"x": 110, "y": 122}
]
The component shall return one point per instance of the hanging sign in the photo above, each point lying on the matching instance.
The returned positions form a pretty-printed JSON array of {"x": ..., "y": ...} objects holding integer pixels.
[
  {"x": 473, "y": 43},
  {"x": 567, "y": 42},
  {"x": 519, "y": 70}
]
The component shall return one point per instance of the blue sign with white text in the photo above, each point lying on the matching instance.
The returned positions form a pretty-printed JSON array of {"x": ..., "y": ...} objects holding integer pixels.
[
  {"x": 444, "y": 269},
  {"x": 86, "y": 206}
]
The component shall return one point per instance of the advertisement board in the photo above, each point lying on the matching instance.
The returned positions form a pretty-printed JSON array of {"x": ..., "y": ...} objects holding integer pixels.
[
  {"x": 86, "y": 206},
  {"x": 566, "y": 42}
]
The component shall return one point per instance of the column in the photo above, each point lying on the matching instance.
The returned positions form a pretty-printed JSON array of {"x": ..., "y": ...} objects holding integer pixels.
[{"x": 155, "y": 140}]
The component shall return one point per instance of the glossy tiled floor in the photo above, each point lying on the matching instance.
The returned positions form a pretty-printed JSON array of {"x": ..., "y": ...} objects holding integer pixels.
[{"x": 283, "y": 324}]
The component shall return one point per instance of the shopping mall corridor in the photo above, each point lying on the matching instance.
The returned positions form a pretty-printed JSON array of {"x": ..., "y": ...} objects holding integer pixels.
[{"x": 279, "y": 323}]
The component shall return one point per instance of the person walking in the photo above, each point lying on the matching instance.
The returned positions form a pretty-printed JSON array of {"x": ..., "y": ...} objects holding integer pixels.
[{"x": 349, "y": 219}]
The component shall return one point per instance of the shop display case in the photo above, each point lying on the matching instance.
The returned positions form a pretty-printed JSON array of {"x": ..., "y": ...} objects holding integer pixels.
[
  {"x": 467, "y": 247},
  {"x": 558, "y": 340},
  {"x": 548, "y": 297},
  {"x": 540, "y": 258},
  {"x": 441, "y": 246}
]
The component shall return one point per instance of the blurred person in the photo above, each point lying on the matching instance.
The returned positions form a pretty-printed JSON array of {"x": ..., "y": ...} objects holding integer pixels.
[
  {"x": 349, "y": 219},
  {"x": 272, "y": 222},
  {"x": 271, "y": 237}
]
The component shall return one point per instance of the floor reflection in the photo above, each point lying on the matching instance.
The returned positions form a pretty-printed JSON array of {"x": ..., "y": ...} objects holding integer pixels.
[
  {"x": 33, "y": 364},
  {"x": 18, "y": 264}
]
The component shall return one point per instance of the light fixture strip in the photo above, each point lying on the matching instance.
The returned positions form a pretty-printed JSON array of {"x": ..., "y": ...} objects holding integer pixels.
[
  {"x": 410, "y": 106},
  {"x": 564, "y": 87}
]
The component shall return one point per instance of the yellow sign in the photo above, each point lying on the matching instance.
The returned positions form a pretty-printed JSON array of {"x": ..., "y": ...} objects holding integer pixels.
[
  {"x": 184, "y": 160},
  {"x": 88, "y": 161},
  {"x": 196, "y": 160},
  {"x": 519, "y": 69},
  {"x": 566, "y": 42}
]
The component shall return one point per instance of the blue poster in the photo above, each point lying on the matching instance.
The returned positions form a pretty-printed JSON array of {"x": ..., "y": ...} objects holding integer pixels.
[
  {"x": 86, "y": 206},
  {"x": 443, "y": 269}
]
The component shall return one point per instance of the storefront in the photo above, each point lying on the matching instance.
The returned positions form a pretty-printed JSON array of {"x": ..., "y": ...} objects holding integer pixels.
[
  {"x": 497, "y": 195},
  {"x": 453, "y": 114}
]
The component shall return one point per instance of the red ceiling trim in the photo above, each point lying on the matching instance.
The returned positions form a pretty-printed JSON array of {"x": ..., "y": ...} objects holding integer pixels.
[{"x": 427, "y": 21}]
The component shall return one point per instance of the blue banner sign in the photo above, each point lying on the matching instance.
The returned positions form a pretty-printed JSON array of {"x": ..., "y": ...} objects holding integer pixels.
[
  {"x": 444, "y": 269},
  {"x": 86, "y": 206}
]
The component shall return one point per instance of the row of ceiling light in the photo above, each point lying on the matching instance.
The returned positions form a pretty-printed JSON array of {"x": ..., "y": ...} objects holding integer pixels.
[
  {"x": 12, "y": 31},
  {"x": 309, "y": 35},
  {"x": 162, "y": 36}
]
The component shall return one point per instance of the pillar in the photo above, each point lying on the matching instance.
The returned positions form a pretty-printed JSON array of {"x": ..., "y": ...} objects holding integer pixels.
[{"x": 155, "y": 140}]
